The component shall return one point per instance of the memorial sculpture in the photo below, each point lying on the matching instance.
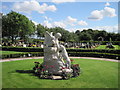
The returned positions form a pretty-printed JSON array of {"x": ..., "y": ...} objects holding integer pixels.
[{"x": 56, "y": 60}]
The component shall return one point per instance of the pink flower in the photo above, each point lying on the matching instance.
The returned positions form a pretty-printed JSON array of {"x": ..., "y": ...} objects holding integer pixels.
[
  {"x": 45, "y": 65},
  {"x": 38, "y": 67}
]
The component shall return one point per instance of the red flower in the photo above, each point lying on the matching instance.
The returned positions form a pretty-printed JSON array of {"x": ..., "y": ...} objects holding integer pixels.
[
  {"x": 43, "y": 69},
  {"x": 64, "y": 68},
  {"x": 52, "y": 66}
]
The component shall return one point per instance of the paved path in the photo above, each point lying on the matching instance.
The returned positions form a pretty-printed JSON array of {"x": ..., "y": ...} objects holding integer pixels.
[
  {"x": 104, "y": 59},
  {"x": 15, "y": 59}
]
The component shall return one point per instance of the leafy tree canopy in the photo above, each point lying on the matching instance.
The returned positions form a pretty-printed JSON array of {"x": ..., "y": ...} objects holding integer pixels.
[{"x": 16, "y": 25}]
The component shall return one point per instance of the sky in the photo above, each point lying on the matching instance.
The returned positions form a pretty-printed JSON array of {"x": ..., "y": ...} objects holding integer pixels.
[{"x": 70, "y": 15}]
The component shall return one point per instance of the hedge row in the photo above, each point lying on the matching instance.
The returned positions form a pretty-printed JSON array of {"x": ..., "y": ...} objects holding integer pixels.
[
  {"x": 22, "y": 49},
  {"x": 102, "y": 42},
  {"x": 19, "y": 55},
  {"x": 80, "y": 54},
  {"x": 93, "y": 54},
  {"x": 29, "y": 49},
  {"x": 92, "y": 50},
  {"x": 27, "y": 52}
]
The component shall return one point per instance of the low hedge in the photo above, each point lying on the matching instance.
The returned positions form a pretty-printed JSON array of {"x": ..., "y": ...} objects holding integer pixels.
[
  {"x": 26, "y": 54},
  {"x": 93, "y": 54},
  {"x": 78, "y": 54},
  {"x": 36, "y": 49},
  {"x": 102, "y": 42},
  {"x": 92, "y": 50},
  {"x": 29, "y": 51},
  {"x": 22, "y": 49}
]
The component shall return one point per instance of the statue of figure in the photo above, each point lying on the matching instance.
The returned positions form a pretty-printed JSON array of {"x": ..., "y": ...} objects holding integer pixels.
[
  {"x": 54, "y": 53},
  {"x": 63, "y": 54}
]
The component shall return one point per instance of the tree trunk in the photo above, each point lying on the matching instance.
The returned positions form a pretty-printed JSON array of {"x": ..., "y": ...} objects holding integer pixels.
[{"x": 12, "y": 39}]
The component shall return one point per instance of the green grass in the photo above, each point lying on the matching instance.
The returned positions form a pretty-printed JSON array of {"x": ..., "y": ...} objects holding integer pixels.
[
  {"x": 9, "y": 52},
  {"x": 95, "y": 74},
  {"x": 104, "y": 47}
]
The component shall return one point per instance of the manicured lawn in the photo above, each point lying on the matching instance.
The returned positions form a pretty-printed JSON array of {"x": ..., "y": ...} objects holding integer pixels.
[
  {"x": 104, "y": 47},
  {"x": 95, "y": 74}
]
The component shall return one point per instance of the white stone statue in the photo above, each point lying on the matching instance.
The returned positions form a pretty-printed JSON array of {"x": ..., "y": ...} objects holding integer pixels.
[{"x": 55, "y": 54}]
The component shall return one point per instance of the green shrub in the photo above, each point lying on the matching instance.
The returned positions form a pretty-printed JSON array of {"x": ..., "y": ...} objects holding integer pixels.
[
  {"x": 92, "y": 50},
  {"x": 94, "y": 54},
  {"x": 22, "y": 49},
  {"x": 24, "y": 54},
  {"x": 36, "y": 52}
]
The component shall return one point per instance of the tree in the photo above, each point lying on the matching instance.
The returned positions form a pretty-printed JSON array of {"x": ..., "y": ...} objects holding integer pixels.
[
  {"x": 74, "y": 37},
  {"x": 41, "y": 30},
  {"x": 102, "y": 34},
  {"x": 77, "y": 32},
  {"x": 85, "y": 37},
  {"x": 117, "y": 37},
  {"x": 65, "y": 34},
  {"x": 16, "y": 25}
]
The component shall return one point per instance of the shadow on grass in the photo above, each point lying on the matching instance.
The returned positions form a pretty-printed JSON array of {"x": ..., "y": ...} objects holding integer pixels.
[
  {"x": 25, "y": 71},
  {"x": 31, "y": 72}
]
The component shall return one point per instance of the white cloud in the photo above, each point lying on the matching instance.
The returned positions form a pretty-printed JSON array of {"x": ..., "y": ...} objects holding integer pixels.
[
  {"x": 96, "y": 15},
  {"x": 112, "y": 29},
  {"x": 59, "y": 24},
  {"x": 29, "y": 6},
  {"x": 62, "y": 1},
  {"x": 44, "y": 7},
  {"x": 107, "y": 4},
  {"x": 71, "y": 20},
  {"x": 35, "y": 22},
  {"x": 108, "y": 28},
  {"x": 110, "y": 12},
  {"x": 47, "y": 18},
  {"x": 82, "y": 23},
  {"x": 100, "y": 14},
  {"x": 53, "y": 24},
  {"x": 47, "y": 23}
]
